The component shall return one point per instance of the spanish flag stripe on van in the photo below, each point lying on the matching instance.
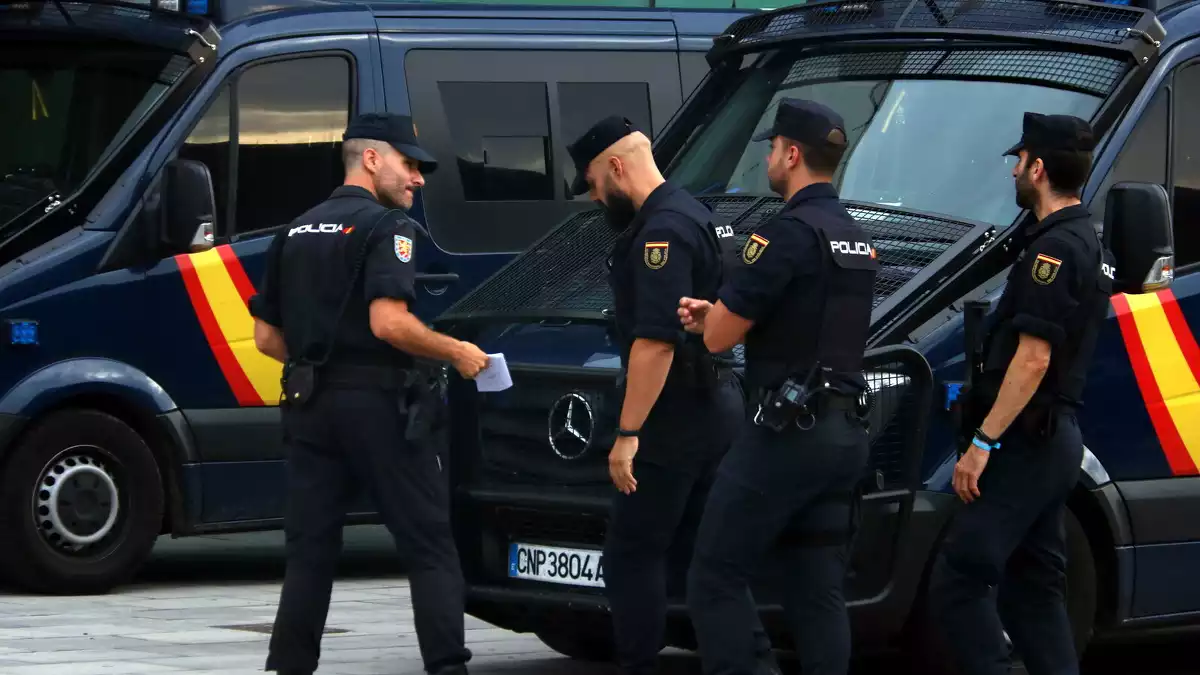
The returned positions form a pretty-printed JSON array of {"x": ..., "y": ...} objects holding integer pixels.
[
  {"x": 219, "y": 290},
  {"x": 1169, "y": 386}
]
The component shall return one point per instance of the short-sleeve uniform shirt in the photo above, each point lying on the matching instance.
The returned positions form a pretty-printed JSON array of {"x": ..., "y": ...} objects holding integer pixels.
[
  {"x": 308, "y": 272},
  {"x": 1055, "y": 291}
]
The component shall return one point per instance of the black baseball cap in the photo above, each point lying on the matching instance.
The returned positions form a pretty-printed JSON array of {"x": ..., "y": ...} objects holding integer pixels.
[
  {"x": 1054, "y": 132},
  {"x": 397, "y": 131},
  {"x": 593, "y": 142},
  {"x": 805, "y": 121}
]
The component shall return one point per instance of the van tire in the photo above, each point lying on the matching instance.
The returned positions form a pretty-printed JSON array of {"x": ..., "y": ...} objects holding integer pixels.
[
  {"x": 579, "y": 644},
  {"x": 927, "y": 653},
  {"x": 76, "y": 544}
]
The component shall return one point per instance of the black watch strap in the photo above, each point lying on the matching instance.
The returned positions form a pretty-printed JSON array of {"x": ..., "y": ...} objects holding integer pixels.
[{"x": 628, "y": 433}]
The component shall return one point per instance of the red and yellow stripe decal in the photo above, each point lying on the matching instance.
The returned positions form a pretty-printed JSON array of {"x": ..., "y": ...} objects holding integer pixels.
[
  {"x": 220, "y": 290},
  {"x": 1166, "y": 363}
]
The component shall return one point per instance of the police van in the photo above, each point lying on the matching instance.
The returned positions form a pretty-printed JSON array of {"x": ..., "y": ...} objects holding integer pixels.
[
  {"x": 933, "y": 93},
  {"x": 143, "y": 171}
]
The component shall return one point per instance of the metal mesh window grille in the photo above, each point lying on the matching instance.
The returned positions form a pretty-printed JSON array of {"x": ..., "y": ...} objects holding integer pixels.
[
  {"x": 567, "y": 271},
  {"x": 1074, "y": 20},
  {"x": 1091, "y": 73}
]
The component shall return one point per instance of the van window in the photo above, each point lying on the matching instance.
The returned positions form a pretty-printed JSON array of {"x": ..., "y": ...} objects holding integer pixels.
[
  {"x": 501, "y": 133},
  {"x": 499, "y": 122},
  {"x": 280, "y": 115},
  {"x": 581, "y": 104},
  {"x": 1143, "y": 158},
  {"x": 1186, "y": 174}
]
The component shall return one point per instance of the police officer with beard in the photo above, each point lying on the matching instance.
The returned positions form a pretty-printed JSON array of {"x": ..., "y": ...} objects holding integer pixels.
[
  {"x": 334, "y": 308},
  {"x": 1022, "y": 412},
  {"x": 680, "y": 402},
  {"x": 802, "y": 300}
]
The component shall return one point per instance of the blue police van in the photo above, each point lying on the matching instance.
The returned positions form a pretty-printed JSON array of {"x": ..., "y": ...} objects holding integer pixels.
[
  {"x": 933, "y": 93},
  {"x": 143, "y": 171}
]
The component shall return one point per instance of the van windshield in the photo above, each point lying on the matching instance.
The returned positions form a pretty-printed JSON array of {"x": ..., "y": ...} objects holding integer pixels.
[
  {"x": 932, "y": 145},
  {"x": 63, "y": 112}
]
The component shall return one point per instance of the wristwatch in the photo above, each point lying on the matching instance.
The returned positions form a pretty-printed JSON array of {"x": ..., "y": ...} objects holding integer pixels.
[{"x": 628, "y": 433}]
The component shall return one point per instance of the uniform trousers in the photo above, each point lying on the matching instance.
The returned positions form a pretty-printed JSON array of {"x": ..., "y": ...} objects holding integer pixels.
[
  {"x": 651, "y": 531},
  {"x": 789, "y": 493},
  {"x": 350, "y": 439},
  {"x": 1003, "y": 564}
]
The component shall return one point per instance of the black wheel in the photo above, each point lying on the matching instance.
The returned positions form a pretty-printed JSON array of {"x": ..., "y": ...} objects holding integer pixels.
[
  {"x": 81, "y": 504},
  {"x": 927, "y": 649},
  {"x": 578, "y": 644}
]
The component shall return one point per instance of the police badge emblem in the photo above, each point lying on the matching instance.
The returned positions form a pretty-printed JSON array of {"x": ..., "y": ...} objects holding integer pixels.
[
  {"x": 403, "y": 246},
  {"x": 1045, "y": 269},
  {"x": 655, "y": 254},
  {"x": 755, "y": 245}
]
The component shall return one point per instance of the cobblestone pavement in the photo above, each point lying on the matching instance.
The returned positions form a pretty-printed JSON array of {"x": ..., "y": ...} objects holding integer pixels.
[{"x": 205, "y": 606}]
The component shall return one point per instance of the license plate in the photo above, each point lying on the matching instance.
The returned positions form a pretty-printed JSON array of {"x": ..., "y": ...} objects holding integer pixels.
[{"x": 576, "y": 567}]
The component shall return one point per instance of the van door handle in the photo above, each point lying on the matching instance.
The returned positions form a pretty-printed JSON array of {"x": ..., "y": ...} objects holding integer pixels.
[{"x": 448, "y": 278}]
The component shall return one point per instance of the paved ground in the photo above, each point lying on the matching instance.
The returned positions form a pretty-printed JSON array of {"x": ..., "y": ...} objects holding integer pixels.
[{"x": 205, "y": 605}]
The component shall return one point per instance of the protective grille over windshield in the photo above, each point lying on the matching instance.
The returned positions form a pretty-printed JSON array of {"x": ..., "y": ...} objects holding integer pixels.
[
  {"x": 1095, "y": 22},
  {"x": 1088, "y": 72},
  {"x": 565, "y": 274}
]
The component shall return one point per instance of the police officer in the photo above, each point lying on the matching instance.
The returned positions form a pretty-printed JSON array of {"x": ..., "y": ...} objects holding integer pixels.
[
  {"x": 334, "y": 308},
  {"x": 679, "y": 401},
  {"x": 1010, "y": 532},
  {"x": 802, "y": 300}
]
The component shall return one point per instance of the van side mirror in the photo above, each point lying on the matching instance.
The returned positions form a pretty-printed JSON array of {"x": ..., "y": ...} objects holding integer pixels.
[
  {"x": 190, "y": 207},
  {"x": 1137, "y": 229}
]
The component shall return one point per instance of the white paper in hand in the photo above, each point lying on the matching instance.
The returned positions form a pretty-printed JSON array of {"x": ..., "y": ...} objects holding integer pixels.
[{"x": 495, "y": 377}]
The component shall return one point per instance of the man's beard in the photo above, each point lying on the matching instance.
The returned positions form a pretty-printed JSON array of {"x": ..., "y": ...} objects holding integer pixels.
[
  {"x": 1027, "y": 195},
  {"x": 618, "y": 211}
]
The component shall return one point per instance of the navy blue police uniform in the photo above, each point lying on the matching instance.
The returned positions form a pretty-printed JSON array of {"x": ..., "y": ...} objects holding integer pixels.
[
  {"x": 788, "y": 485},
  {"x": 1012, "y": 535},
  {"x": 349, "y": 417},
  {"x": 673, "y": 247}
]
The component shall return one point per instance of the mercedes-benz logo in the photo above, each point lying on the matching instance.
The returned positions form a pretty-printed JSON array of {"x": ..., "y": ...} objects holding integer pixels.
[{"x": 571, "y": 426}]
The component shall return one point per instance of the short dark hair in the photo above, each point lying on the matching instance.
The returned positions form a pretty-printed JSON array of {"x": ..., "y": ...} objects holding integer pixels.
[
  {"x": 824, "y": 158},
  {"x": 1067, "y": 170}
]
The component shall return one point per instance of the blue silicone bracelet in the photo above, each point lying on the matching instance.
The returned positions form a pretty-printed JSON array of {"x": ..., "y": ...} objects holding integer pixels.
[{"x": 983, "y": 446}]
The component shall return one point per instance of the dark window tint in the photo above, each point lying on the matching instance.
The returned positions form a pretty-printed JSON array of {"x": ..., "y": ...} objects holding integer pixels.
[
  {"x": 582, "y": 104},
  {"x": 1187, "y": 166},
  {"x": 290, "y": 120},
  {"x": 209, "y": 143},
  {"x": 501, "y": 134},
  {"x": 1143, "y": 158}
]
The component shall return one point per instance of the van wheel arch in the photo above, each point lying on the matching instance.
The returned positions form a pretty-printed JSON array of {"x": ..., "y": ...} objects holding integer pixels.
[{"x": 925, "y": 649}]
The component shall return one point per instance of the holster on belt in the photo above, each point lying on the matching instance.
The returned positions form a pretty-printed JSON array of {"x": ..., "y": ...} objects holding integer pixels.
[
  {"x": 298, "y": 383},
  {"x": 424, "y": 401}
]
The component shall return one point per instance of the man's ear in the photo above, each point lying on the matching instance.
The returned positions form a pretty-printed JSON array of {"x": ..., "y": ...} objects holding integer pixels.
[
  {"x": 615, "y": 164},
  {"x": 371, "y": 160}
]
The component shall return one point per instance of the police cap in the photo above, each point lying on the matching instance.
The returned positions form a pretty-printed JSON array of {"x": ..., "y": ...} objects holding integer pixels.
[
  {"x": 397, "y": 131},
  {"x": 1054, "y": 132},
  {"x": 593, "y": 142},
  {"x": 804, "y": 121}
]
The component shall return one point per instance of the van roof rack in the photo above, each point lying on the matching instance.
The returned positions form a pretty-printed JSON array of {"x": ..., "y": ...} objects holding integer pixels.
[{"x": 1095, "y": 27}]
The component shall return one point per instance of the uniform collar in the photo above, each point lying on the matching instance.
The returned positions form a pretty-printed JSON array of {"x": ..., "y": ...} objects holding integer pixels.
[
  {"x": 657, "y": 197},
  {"x": 814, "y": 191},
  {"x": 352, "y": 191},
  {"x": 1075, "y": 212}
]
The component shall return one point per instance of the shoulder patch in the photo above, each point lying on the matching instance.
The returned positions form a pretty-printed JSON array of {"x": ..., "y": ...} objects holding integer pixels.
[
  {"x": 403, "y": 247},
  {"x": 655, "y": 254},
  {"x": 755, "y": 245},
  {"x": 1045, "y": 269}
]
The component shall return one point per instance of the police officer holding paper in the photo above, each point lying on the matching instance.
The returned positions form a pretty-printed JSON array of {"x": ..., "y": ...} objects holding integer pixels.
[
  {"x": 334, "y": 308},
  {"x": 1025, "y": 445},
  {"x": 802, "y": 300},
  {"x": 679, "y": 400}
]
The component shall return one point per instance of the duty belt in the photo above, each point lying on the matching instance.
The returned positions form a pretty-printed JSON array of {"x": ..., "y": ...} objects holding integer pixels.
[{"x": 356, "y": 376}]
